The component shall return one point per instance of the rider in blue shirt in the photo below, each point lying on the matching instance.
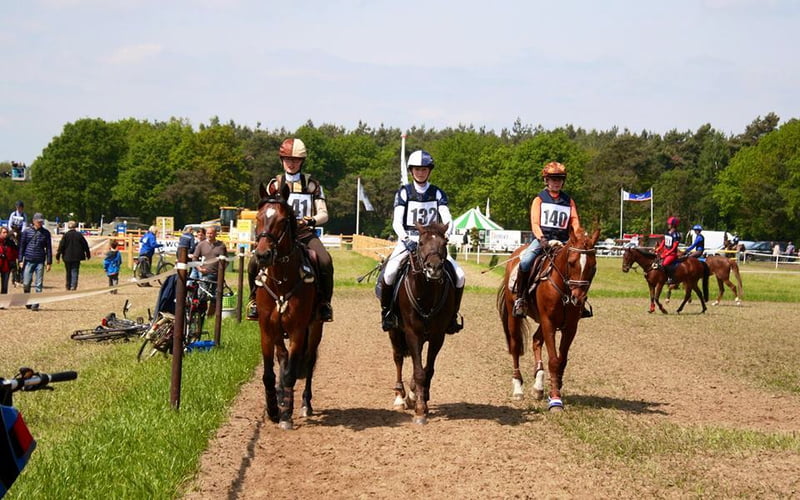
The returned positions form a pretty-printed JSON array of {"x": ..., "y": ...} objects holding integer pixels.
[{"x": 698, "y": 247}]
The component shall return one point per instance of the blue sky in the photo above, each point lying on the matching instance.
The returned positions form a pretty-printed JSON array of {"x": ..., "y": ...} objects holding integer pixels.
[{"x": 594, "y": 64}]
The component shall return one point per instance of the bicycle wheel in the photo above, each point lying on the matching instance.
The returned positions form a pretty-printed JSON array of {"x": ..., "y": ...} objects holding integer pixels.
[
  {"x": 156, "y": 340},
  {"x": 163, "y": 267},
  {"x": 104, "y": 334}
]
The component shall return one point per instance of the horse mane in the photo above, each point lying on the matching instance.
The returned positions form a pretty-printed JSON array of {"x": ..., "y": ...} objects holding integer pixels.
[{"x": 646, "y": 253}]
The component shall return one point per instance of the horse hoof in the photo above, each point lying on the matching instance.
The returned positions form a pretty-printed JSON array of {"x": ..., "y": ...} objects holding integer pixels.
[
  {"x": 305, "y": 411},
  {"x": 715, "y": 303},
  {"x": 399, "y": 403},
  {"x": 555, "y": 404},
  {"x": 286, "y": 425},
  {"x": 517, "y": 397},
  {"x": 517, "y": 393},
  {"x": 421, "y": 420}
]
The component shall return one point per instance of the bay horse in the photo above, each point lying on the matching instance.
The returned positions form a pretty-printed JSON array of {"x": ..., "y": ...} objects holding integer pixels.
[
  {"x": 426, "y": 304},
  {"x": 556, "y": 304},
  {"x": 688, "y": 272},
  {"x": 721, "y": 267},
  {"x": 287, "y": 305}
]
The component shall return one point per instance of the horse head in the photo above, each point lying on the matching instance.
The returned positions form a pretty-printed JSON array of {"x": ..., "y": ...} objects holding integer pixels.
[
  {"x": 627, "y": 259},
  {"x": 276, "y": 227},
  {"x": 581, "y": 264},
  {"x": 432, "y": 250}
]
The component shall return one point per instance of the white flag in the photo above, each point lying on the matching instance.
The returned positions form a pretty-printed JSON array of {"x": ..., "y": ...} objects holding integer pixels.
[{"x": 362, "y": 197}]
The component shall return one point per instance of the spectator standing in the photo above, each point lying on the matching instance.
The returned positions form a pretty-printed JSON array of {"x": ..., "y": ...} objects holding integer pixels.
[
  {"x": 790, "y": 249},
  {"x": 207, "y": 250},
  {"x": 112, "y": 263},
  {"x": 8, "y": 257},
  {"x": 199, "y": 235},
  {"x": 72, "y": 249},
  {"x": 18, "y": 219},
  {"x": 147, "y": 247},
  {"x": 35, "y": 255}
]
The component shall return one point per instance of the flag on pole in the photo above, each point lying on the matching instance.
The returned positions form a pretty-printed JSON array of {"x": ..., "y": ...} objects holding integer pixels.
[
  {"x": 362, "y": 197},
  {"x": 646, "y": 196}
]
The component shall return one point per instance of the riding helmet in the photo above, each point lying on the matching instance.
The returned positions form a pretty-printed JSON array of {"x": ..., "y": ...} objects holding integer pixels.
[
  {"x": 673, "y": 221},
  {"x": 292, "y": 148},
  {"x": 555, "y": 170},
  {"x": 420, "y": 158},
  {"x": 697, "y": 227}
]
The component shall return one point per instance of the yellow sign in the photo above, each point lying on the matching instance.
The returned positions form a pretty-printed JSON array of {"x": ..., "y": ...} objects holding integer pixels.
[
  {"x": 244, "y": 233},
  {"x": 165, "y": 225}
]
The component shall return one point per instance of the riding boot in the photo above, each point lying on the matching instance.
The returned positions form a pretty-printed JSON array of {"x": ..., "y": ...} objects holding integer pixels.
[
  {"x": 326, "y": 290},
  {"x": 388, "y": 317},
  {"x": 252, "y": 272},
  {"x": 670, "y": 278},
  {"x": 455, "y": 326},
  {"x": 521, "y": 305}
]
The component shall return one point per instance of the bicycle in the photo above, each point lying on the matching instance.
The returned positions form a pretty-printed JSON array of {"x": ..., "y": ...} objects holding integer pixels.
[
  {"x": 142, "y": 267},
  {"x": 113, "y": 328},
  {"x": 158, "y": 337},
  {"x": 16, "y": 442}
]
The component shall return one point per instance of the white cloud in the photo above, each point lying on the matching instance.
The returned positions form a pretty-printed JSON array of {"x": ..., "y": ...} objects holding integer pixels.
[{"x": 133, "y": 54}]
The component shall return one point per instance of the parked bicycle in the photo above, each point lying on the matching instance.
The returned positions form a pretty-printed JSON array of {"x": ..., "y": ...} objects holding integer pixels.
[
  {"x": 142, "y": 267},
  {"x": 16, "y": 442},
  {"x": 158, "y": 337},
  {"x": 112, "y": 328}
]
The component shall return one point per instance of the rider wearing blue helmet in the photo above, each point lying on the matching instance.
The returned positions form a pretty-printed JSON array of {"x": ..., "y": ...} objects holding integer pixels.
[{"x": 698, "y": 246}]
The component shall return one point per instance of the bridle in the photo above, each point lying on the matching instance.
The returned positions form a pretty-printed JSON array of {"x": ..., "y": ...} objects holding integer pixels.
[
  {"x": 417, "y": 264},
  {"x": 566, "y": 297},
  {"x": 275, "y": 241},
  {"x": 419, "y": 261}
]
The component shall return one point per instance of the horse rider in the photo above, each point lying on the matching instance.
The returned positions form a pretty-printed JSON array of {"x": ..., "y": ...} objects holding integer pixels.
[
  {"x": 667, "y": 249},
  {"x": 698, "y": 247},
  {"x": 307, "y": 199},
  {"x": 553, "y": 212},
  {"x": 422, "y": 202}
]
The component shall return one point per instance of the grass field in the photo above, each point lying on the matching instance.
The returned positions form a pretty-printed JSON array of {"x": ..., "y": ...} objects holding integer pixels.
[{"x": 112, "y": 434}]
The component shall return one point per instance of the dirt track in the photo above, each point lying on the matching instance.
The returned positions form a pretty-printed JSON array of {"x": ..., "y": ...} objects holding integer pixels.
[
  {"x": 647, "y": 371},
  {"x": 479, "y": 444}
]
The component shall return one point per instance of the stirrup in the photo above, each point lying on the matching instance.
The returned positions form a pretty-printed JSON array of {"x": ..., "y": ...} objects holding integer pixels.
[
  {"x": 388, "y": 320},
  {"x": 325, "y": 312},
  {"x": 455, "y": 326},
  {"x": 587, "y": 312},
  {"x": 520, "y": 308},
  {"x": 252, "y": 310}
]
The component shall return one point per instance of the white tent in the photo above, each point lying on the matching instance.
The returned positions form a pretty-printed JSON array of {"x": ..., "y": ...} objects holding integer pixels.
[{"x": 474, "y": 218}]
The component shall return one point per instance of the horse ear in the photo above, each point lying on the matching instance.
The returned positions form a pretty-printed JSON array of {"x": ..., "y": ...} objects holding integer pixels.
[
  {"x": 285, "y": 192},
  {"x": 595, "y": 235},
  {"x": 262, "y": 190}
]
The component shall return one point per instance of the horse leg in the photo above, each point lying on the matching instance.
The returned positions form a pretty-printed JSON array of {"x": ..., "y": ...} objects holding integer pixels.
[
  {"x": 515, "y": 346},
  {"x": 399, "y": 388},
  {"x": 314, "y": 339},
  {"x": 721, "y": 291},
  {"x": 538, "y": 383},
  {"x": 553, "y": 364},
  {"x": 567, "y": 336},
  {"x": 700, "y": 295},
  {"x": 652, "y": 299},
  {"x": 688, "y": 295},
  {"x": 418, "y": 382},
  {"x": 267, "y": 350},
  {"x": 288, "y": 362},
  {"x": 434, "y": 346}
]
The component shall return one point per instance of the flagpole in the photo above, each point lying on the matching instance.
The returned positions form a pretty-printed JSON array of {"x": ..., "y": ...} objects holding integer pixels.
[
  {"x": 652, "y": 194},
  {"x": 358, "y": 204},
  {"x": 620, "y": 213},
  {"x": 403, "y": 169}
]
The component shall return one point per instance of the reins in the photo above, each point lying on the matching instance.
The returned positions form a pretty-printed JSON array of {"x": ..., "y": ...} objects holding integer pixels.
[{"x": 566, "y": 297}]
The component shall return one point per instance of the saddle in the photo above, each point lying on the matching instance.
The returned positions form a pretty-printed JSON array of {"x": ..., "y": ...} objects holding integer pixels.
[
  {"x": 405, "y": 266},
  {"x": 538, "y": 273}
]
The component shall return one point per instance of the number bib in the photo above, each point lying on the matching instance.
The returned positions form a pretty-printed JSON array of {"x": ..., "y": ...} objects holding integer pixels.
[
  {"x": 423, "y": 212},
  {"x": 554, "y": 216},
  {"x": 301, "y": 204}
]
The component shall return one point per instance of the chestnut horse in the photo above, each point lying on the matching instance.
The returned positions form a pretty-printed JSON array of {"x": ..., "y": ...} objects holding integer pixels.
[
  {"x": 287, "y": 305},
  {"x": 556, "y": 304},
  {"x": 688, "y": 272},
  {"x": 426, "y": 304},
  {"x": 721, "y": 267}
]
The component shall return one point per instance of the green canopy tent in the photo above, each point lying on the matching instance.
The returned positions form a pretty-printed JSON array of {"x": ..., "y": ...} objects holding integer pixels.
[{"x": 474, "y": 218}]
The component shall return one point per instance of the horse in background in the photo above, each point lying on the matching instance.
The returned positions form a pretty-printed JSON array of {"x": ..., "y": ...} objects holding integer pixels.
[
  {"x": 426, "y": 304},
  {"x": 722, "y": 267},
  {"x": 287, "y": 309},
  {"x": 556, "y": 304},
  {"x": 688, "y": 272}
]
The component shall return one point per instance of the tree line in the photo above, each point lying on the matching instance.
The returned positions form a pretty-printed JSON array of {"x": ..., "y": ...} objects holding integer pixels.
[{"x": 747, "y": 183}]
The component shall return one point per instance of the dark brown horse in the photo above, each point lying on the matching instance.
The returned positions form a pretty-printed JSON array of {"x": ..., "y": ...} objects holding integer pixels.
[
  {"x": 287, "y": 305},
  {"x": 721, "y": 267},
  {"x": 688, "y": 272},
  {"x": 426, "y": 304},
  {"x": 556, "y": 304}
]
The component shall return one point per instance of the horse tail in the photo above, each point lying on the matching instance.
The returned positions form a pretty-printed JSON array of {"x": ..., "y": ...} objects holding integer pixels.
[
  {"x": 706, "y": 274},
  {"x": 735, "y": 269},
  {"x": 522, "y": 332},
  {"x": 502, "y": 309}
]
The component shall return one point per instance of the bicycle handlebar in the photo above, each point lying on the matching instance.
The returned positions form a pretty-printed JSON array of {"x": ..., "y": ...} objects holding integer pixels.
[{"x": 28, "y": 380}]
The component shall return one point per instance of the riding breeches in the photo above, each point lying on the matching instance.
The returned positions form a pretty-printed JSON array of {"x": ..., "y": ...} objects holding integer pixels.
[
  {"x": 668, "y": 260},
  {"x": 398, "y": 256}
]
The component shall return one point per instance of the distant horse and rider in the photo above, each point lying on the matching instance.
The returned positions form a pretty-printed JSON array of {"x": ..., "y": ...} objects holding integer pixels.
[
  {"x": 559, "y": 284},
  {"x": 687, "y": 272},
  {"x": 722, "y": 267}
]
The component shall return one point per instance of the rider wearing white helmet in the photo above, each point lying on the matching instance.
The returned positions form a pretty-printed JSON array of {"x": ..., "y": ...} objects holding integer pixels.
[
  {"x": 422, "y": 202},
  {"x": 308, "y": 202}
]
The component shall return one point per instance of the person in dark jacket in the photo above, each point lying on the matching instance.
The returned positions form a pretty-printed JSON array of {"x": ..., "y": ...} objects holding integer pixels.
[
  {"x": 35, "y": 255},
  {"x": 72, "y": 249},
  {"x": 8, "y": 258}
]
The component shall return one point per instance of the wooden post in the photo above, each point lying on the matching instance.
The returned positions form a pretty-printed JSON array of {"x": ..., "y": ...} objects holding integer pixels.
[
  {"x": 240, "y": 284},
  {"x": 180, "y": 321},
  {"x": 221, "y": 264}
]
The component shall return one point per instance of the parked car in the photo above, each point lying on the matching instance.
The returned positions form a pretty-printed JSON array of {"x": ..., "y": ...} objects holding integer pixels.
[{"x": 763, "y": 249}]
